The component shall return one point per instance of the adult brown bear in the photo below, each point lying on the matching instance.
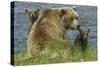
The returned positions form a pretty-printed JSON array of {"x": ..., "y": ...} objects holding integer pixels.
[{"x": 51, "y": 24}]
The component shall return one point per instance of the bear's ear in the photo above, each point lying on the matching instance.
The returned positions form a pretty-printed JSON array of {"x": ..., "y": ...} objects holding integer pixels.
[
  {"x": 62, "y": 12},
  {"x": 74, "y": 8}
]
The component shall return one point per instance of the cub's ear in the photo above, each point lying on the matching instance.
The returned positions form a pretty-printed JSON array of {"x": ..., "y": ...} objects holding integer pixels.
[
  {"x": 27, "y": 11},
  {"x": 74, "y": 8},
  {"x": 37, "y": 10}
]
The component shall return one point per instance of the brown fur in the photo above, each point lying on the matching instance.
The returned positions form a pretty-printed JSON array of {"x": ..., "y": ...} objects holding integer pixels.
[
  {"x": 33, "y": 16},
  {"x": 51, "y": 24},
  {"x": 82, "y": 38}
]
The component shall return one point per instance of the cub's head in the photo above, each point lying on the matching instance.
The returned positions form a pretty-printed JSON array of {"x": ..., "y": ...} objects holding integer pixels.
[
  {"x": 84, "y": 33},
  {"x": 70, "y": 18},
  {"x": 33, "y": 14}
]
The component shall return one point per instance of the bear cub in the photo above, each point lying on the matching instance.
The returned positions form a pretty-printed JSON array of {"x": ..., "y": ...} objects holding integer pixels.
[
  {"x": 82, "y": 38},
  {"x": 33, "y": 16}
]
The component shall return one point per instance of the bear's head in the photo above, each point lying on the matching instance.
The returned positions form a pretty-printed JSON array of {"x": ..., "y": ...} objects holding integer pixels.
[
  {"x": 84, "y": 33},
  {"x": 33, "y": 14},
  {"x": 70, "y": 18}
]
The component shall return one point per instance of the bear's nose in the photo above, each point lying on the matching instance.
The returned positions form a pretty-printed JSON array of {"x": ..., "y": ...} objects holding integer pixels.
[{"x": 78, "y": 26}]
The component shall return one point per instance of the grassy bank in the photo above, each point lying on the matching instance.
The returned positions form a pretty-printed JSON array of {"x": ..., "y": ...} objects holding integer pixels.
[{"x": 56, "y": 52}]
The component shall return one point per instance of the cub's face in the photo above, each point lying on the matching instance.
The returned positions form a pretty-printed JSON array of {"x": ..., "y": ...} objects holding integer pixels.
[
  {"x": 84, "y": 33},
  {"x": 33, "y": 14},
  {"x": 70, "y": 18}
]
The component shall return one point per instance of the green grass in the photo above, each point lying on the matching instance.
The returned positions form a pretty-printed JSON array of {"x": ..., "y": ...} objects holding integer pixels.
[{"x": 56, "y": 52}]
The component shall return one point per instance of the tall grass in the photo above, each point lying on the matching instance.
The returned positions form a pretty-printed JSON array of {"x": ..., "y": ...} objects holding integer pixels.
[{"x": 56, "y": 52}]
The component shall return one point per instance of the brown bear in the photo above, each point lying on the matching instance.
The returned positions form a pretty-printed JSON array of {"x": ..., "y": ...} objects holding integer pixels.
[
  {"x": 82, "y": 39},
  {"x": 51, "y": 24},
  {"x": 33, "y": 15}
]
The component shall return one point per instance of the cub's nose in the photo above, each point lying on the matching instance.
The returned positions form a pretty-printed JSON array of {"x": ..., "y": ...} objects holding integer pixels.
[{"x": 78, "y": 27}]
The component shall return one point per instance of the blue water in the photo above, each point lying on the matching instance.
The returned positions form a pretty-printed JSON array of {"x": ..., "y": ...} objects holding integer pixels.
[{"x": 87, "y": 19}]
